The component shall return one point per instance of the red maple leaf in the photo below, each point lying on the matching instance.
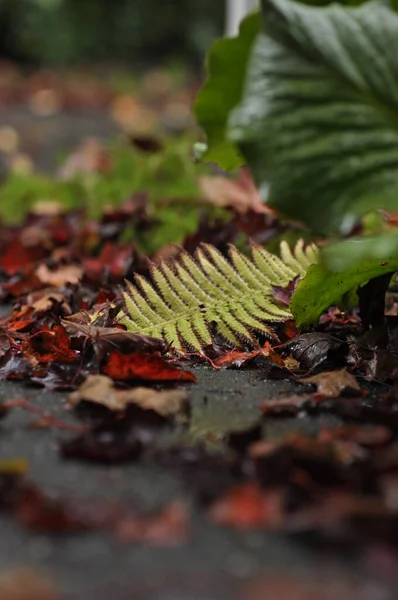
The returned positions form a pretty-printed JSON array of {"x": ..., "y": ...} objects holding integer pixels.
[
  {"x": 50, "y": 345},
  {"x": 143, "y": 366}
]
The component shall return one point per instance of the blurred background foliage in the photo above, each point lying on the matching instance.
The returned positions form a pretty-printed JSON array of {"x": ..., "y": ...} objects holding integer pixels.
[{"x": 63, "y": 32}]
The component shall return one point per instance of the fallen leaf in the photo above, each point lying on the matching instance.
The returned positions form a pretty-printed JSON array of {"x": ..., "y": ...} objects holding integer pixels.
[
  {"x": 143, "y": 366},
  {"x": 45, "y": 514},
  {"x": 383, "y": 366},
  {"x": 168, "y": 527},
  {"x": 112, "y": 337},
  {"x": 99, "y": 389},
  {"x": 370, "y": 437},
  {"x": 50, "y": 345},
  {"x": 113, "y": 258},
  {"x": 105, "y": 444},
  {"x": 285, "y": 406},
  {"x": 312, "y": 349},
  {"x": 247, "y": 506},
  {"x": 334, "y": 383},
  {"x": 60, "y": 276},
  {"x": 284, "y": 294},
  {"x": 15, "y": 257},
  {"x": 240, "y": 194},
  {"x": 23, "y": 583},
  {"x": 235, "y": 358}
]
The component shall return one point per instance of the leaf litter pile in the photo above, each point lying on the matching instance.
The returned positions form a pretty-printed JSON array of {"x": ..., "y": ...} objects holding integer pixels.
[{"x": 67, "y": 325}]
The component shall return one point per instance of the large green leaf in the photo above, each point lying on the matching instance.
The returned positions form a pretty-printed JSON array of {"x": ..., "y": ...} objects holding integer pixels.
[
  {"x": 319, "y": 117},
  {"x": 226, "y": 66},
  {"x": 350, "y": 253},
  {"x": 345, "y": 266}
]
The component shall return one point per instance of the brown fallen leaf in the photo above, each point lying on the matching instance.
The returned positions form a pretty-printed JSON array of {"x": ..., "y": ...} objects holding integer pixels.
[
  {"x": 334, "y": 383},
  {"x": 113, "y": 337},
  {"x": 23, "y": 583},
  {"x": 99, "y": 389},
  {"x": 63, "y": 275},
  {"x": 284, "y": 406},
  {"x": 240, "y": 194}
]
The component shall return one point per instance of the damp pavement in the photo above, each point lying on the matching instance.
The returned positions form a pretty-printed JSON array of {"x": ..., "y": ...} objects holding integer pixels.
[{"x": 215, "y": 563}]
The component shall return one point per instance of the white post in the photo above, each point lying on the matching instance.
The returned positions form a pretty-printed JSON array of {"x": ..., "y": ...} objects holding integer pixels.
[{"x": 236, "y": 10}]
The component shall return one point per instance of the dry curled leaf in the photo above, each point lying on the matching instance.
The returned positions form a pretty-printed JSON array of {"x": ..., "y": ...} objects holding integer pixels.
[
  {"x": 99, "y": 389},
  {"x": 334, "y": 383}
]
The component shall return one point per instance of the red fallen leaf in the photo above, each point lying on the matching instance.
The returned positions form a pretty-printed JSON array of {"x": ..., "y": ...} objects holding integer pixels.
[
  {"x": 168, "y": 527},
  {"x": 247, "y": 506},
  {"x": 50, "y": 345},
  {"x": 44, "y": 514},
  {"x": 15, "y": 257},
  {"x": 234, "y": 358},
  {"x": 143, "y": 366},
  {"x": 289, "y": 330},
  {"x": 19, "y": 325},
  {"x": 113, "y": 258}
]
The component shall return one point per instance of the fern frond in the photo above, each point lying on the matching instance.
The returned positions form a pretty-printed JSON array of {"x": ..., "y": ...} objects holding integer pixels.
[{"x": 192, "y": 296}]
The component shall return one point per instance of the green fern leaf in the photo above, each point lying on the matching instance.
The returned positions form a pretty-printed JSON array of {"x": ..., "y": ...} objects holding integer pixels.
[{"x": 193, "y": 296}]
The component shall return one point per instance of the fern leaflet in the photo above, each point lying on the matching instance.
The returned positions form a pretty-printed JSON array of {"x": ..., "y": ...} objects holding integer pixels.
[{"x": 192, "y": 296}]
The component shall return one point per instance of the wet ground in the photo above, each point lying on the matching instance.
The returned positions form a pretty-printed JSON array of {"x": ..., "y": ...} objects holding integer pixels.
[{"x": 215, "y": 563}]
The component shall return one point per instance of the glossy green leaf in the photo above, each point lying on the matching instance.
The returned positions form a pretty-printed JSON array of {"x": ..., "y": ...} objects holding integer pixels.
[
  {"x": 226, "y": 66},
  {"x": 348, "y": 254},
  {"x": 345, "y": 267},
  {"x": 319, "y": 119}
]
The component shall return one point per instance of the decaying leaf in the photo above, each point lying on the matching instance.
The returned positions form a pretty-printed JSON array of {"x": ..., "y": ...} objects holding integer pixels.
[
  {"x": 99, "y": 389},
  {"x": 334, "y": 383},
  {"x": 312, "y": 349},
  {"x": 113, "y": 337}
]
